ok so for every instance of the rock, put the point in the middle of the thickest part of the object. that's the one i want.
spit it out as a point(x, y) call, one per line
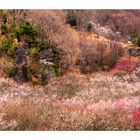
point(21, 54)
point(45, 62)
point(46, 76)
point(21, 74)
point(134, 51)
point(129, 42)
point(20, 64)
point(46, 54)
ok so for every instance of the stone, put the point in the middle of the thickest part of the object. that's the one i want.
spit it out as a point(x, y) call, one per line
point(46, 76)
point(45, 62)
point(46, 54)
point(21, 74)
point(129, 42)
point(21, 54)
point(134, 51)
point(20, 64)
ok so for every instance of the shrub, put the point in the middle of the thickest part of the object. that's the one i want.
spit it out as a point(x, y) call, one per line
point(11, 52)
point(10, 72)
point(135, 39)
point(42, 45)
point(36, 80)
point(86, 61)
point(136, 118)
point(132, 36)
point(28, 29)
point(2, 12)
point(4, 18)
point(138, 41)
point(4, 28)
point(7, 46)
point(4, 25)
point(92, 56)
point(116, 51)
point(62, 66)
point(5, 62)
point(15, 43)
point(125, 64)
point(71, 19)
point(90, 26)
point(25, 29)
point(98, 55)
point(34, 53)
point(4, 44)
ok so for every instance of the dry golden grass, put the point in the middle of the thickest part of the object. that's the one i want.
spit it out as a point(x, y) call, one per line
point(31, 117)
point(28, 116)
point(5, 62)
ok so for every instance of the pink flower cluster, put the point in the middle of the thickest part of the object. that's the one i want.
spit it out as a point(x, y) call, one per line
point(120, 104)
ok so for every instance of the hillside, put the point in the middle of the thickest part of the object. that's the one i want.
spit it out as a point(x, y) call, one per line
point(69, 70)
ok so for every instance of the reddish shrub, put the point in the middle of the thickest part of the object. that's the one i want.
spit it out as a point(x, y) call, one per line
point(136, 118)
point(136, 113)
point(126, 64)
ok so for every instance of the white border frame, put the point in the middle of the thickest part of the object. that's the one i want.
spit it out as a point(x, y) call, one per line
point(70, 4)
point(75, 135)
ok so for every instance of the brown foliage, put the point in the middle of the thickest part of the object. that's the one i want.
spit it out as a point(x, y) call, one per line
point(126, 22)
point(116, 51)
point(92, 56)
point(98, 55)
